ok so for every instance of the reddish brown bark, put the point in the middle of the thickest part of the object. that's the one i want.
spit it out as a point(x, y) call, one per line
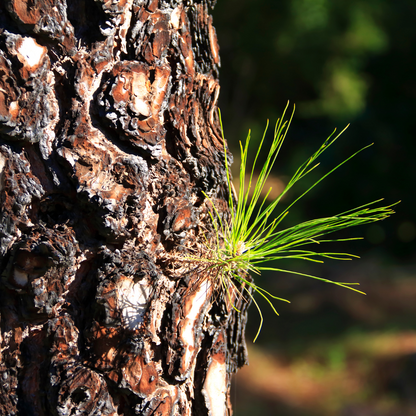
point(108, 136)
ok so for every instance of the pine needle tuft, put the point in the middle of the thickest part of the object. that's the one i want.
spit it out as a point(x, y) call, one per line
point(254, 236)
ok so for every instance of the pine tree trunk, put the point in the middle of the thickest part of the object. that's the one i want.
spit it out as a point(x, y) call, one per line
point(109, 135)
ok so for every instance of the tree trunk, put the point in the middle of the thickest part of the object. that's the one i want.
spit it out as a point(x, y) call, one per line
point(109, 136)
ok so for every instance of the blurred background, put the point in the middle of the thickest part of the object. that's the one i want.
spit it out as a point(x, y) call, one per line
point(331, 351)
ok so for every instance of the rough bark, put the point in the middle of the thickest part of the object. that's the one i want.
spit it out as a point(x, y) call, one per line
point(108, 136)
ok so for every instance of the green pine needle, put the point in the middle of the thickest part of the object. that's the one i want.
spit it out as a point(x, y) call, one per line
point(254, 235)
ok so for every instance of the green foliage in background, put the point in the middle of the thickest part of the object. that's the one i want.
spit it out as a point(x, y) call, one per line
point(320, 46)
point(342, 62)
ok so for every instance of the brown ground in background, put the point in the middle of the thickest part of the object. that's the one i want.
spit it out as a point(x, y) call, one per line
point(334, 352)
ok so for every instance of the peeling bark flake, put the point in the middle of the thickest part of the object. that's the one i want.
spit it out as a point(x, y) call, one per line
point(215, 389)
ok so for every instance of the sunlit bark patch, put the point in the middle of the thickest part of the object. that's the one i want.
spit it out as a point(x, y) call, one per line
point(132, 300)
point(20, 277)
point(30, 52)
point(2, 164)
point(195, 306)
point(216, 384)
point(132, 101)
point(215, 388)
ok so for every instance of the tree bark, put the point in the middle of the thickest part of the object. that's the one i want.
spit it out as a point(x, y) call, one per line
point(109, 136)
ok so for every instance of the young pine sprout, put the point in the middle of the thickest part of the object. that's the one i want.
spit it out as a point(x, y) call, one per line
point(254, 236)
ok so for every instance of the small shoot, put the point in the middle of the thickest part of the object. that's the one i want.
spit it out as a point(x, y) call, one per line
point(253, 236)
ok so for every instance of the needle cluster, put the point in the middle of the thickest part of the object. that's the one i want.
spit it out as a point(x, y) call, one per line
point(254, 236)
